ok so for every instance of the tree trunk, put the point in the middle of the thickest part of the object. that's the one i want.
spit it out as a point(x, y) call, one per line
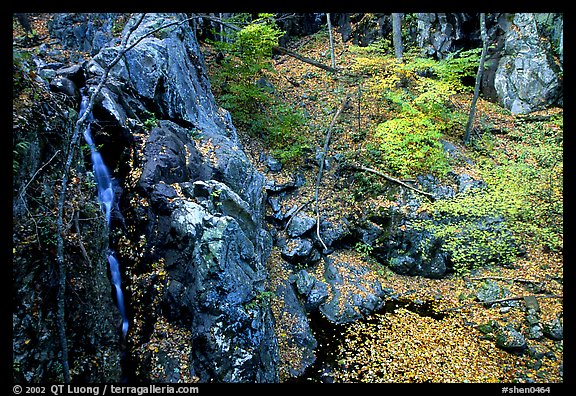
point(332, 58)
point(397, 35)
point(24, 22)
point(478, 78)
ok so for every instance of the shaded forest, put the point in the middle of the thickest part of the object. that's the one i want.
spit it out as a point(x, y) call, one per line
point(287, 198)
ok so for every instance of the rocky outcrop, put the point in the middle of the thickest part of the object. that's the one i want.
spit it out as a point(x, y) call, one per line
point(204, 215)
point(189, 229)
point(524, 74)
point(363, 29)
point(439, 34)
point(527, 77)
point(83, 32)
point(355, 292)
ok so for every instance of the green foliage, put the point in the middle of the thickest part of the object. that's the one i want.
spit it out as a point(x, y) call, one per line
point(150, 121)
point(255, 41)
point(411, 146)
point(452, 70)
point(363, 249)
point(254, 108)
point(524, 187)
point(286, 134)
point(246, 102)
point(261, 298)
point(529, 178)
point(21, 68)
point(471, 228)
point(380, 46)
point(415, 100)
point(19, 150)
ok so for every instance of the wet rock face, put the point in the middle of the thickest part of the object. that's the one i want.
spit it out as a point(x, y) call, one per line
point(171, 156)
point(204, 220)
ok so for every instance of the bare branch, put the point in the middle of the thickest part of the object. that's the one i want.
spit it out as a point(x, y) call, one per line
point(36, 173)
point(520, 280)
point(504, 300)
point(389, 178)
point(295, 213)
point(322, 156)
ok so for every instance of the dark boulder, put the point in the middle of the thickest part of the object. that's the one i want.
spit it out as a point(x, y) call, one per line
point(299, 225)
point(297, 250)
point(65, 86)
point(510, 339)
point(352, 296)
point(554, 329)
point(311, 289)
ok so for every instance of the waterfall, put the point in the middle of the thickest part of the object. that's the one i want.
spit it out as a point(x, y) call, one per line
point(106, 198)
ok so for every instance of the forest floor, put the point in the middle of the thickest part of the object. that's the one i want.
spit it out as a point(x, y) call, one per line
point(405, 346)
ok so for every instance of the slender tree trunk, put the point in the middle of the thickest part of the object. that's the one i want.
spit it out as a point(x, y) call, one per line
point(24, 22)
point(478, 78)
point(332, 57)
point(397, 35)
point(221, 28)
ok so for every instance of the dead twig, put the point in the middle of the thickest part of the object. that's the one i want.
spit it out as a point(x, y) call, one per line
point(295, 213)
point(389, 178)
point(80, 242)
point(520, 280)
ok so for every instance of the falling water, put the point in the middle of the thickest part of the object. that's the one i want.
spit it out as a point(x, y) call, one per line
point(106, 198)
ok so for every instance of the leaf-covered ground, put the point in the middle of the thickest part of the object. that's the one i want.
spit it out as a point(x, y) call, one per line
point(404, 346)
point(448, 344)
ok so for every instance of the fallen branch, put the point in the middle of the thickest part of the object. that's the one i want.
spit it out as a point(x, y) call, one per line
point(504, 300)
point(286, 51)
point(520, 280)
point(390, 178)
point(322, 155)
point(534, 118)
point(80, 242)
point(295, 213)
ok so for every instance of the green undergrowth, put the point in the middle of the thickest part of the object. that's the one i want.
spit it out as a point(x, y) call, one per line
point(241, 87)
point(521, 205)
point(522, 168)
point(414, 108)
